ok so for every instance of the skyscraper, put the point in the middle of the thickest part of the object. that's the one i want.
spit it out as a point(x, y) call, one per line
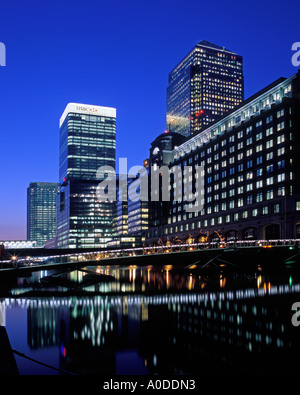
point(202, 87)
point(87, 142)
point(41, 212)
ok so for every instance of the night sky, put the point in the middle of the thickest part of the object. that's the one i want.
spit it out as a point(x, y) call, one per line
point(116, 54)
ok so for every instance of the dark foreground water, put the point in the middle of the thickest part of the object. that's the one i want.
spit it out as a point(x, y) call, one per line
point(154, 320)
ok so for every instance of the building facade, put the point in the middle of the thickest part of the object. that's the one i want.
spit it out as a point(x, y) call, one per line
point(206, 84)
point(87, 142)
point(251, 168)
point(41, 212)
point(121, 213)
point(131, 216)
point(137, 217)
point(160, 155)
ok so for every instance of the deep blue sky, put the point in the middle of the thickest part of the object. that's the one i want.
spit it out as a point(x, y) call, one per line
point(115, 53)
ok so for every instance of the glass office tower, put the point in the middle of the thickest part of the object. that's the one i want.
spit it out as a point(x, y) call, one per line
point(87, 142)
point(202, 87)
point(41, 212)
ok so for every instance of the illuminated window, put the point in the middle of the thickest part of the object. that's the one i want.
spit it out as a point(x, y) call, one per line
point(269, 119)
point(265, 210)
point(280, 113)
point(259, 197)
point(280, 126)
point(258, 136)
point(270, 194)
point(280, 139)
point(245, 214)
point(281, 164)
point(259, 148)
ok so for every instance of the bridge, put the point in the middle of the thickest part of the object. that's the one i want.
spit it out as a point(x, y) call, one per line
point(232, 254)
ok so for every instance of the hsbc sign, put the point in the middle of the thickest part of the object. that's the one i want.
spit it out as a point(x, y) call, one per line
point(87, 109)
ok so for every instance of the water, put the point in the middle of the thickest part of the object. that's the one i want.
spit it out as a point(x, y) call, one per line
point(154, 320)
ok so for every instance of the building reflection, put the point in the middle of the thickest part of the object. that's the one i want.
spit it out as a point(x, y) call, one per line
point(246, 330)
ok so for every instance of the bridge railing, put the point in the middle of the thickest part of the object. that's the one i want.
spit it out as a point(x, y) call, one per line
point(140, 251)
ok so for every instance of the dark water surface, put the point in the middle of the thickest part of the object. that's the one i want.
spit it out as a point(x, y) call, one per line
point(154, 320)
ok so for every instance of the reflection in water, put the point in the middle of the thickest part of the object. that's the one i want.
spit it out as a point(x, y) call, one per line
point(130, 279)
point(148, 320)
point(242, 330)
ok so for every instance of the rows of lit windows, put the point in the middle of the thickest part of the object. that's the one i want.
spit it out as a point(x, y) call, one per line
point(207, 55)
point(244, 114)
point(188, 93)
point(227, 187)
point(249, 141)
point(228, 323)
point(223, 219)
point(234, 169)
point(234, 200)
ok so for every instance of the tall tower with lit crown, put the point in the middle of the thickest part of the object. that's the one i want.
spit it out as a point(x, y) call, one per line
point(206, 84)
point(87, 142)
